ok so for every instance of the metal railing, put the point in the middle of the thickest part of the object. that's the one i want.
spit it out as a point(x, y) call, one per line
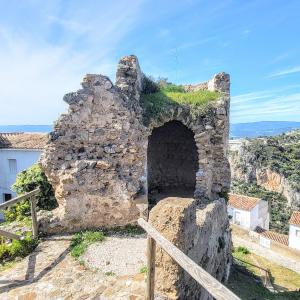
point(211, 284)
point(32, 196)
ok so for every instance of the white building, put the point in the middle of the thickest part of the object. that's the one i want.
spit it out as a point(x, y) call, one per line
point(248, 212)
point(18, 151)
point(294, 231)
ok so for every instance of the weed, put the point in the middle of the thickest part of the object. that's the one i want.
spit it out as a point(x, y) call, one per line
point(82, 240)
point(110, 273)
point(144, 270)
point(243, 250)
point(160, 102)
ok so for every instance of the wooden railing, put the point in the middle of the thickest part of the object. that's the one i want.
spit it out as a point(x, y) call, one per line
point(32, 196)
point(211, 284)
point(266, 278)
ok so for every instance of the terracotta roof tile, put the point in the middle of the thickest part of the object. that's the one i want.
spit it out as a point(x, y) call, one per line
point(242, 202)
point(295, 218)
point(275, 236)
point(23, 140)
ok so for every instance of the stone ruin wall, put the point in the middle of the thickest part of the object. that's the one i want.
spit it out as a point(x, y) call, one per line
point(96, 158)
point(202, 233)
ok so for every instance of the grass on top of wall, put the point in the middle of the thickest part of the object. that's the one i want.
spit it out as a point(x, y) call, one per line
point(158, 100)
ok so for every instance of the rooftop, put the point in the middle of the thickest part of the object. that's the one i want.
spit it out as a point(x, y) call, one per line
point(274, 236)
point(242, 202)
point(295, 218)
point(22, 140)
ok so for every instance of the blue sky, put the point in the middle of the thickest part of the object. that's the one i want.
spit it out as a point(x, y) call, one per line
point(46, 47)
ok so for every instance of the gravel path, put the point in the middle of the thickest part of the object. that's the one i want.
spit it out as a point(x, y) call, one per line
point(118, 255)
point(51, 273)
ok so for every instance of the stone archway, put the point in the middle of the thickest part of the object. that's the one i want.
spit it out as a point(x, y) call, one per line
point(172, 162)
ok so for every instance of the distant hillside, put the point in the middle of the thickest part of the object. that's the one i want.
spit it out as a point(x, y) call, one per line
point(264, 128)
point(272, 162)
point(25, 128)
point(269, 168)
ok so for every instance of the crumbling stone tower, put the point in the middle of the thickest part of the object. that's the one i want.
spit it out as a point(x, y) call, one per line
point(117, 150)
point(96, 158)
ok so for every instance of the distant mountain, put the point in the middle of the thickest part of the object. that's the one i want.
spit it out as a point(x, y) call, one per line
point(239, 130)
point(25, 128)
point(264, 128)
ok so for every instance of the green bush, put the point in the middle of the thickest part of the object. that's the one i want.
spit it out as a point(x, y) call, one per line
point(243, 250)
point(18, 248)
point(149, 85)
point(170, 87)
point(82, 240)
point(27, 181)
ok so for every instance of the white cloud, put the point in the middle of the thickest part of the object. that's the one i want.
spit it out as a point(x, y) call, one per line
point(292, 70)
point(246, 31)
point(37, 71)
point(279, 104)
point(280, 58)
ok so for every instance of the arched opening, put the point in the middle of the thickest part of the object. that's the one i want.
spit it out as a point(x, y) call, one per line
point(172, 162)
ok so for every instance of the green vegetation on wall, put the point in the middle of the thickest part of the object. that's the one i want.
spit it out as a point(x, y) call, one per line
point(160, 95)
point(27, 181)
point(280, 213)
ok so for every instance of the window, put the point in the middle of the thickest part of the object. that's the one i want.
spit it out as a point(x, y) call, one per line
point(7, 197)
point(298, 233)
point(12, 165)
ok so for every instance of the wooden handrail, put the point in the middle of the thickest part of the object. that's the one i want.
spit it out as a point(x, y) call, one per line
point(10, 235)
point(32, 198)
point(211, 284)
point(20, 198)
point(245, 262)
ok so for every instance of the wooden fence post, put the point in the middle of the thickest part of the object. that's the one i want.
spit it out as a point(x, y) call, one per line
point(211, 284)
point(33, 216)
point(150, 267)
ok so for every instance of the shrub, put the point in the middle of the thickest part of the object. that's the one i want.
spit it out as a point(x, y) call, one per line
point(27, 181)
point(149, 85)
point(243, 250)
point(18, 248)
point(82, 240)
point(173, 88)
point(144, 270)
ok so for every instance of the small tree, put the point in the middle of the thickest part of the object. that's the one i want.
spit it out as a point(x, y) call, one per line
point(27, 181)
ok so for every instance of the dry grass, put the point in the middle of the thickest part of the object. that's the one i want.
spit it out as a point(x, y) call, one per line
point(282, 278)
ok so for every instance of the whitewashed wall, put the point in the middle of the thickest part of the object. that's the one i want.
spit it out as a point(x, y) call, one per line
point(24, 158)
point(258, 216)
point(245, 217)
point(294, 241)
